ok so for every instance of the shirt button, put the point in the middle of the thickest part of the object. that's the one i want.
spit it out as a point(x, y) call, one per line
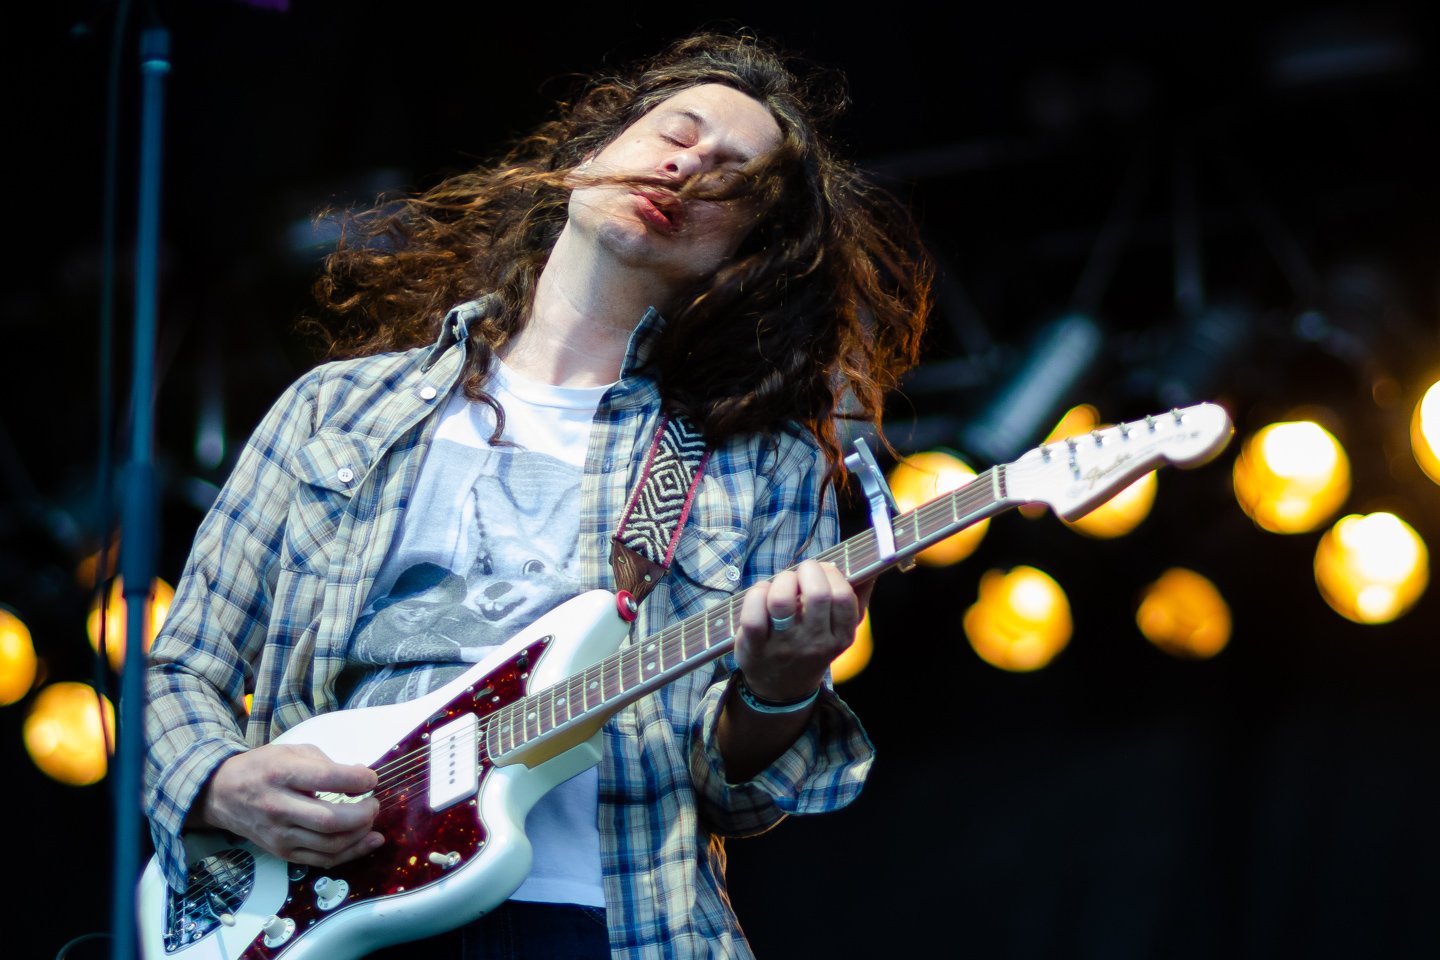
point(732, 573)
point(345, 475)
point(427, 392)
point(609, 465)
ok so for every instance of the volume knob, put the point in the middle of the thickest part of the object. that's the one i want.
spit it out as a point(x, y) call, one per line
point(330, 893)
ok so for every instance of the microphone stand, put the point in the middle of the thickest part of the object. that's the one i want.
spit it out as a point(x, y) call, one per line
point(138, 513)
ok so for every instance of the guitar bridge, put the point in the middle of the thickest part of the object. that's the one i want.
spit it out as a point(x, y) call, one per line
point(215, 890)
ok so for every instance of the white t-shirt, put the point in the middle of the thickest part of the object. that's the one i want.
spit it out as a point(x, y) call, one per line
point(487, 544)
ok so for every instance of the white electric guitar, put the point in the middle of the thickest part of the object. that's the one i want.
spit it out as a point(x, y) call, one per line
point(460, 768)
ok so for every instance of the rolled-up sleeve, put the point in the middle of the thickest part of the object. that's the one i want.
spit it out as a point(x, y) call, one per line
point(822, 770)
point(825, 768)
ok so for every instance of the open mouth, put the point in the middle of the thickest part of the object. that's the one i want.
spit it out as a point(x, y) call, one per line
point(662, 210)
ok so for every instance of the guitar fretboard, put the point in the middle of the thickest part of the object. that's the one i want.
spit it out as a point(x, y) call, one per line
point(644, 667)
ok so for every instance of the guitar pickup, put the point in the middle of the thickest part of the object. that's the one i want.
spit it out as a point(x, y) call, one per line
point(454, 764)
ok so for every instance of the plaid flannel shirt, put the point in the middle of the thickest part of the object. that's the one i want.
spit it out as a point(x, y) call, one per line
point(283, 565)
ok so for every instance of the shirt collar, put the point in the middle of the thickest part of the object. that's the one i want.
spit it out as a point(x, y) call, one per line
point(642, 342)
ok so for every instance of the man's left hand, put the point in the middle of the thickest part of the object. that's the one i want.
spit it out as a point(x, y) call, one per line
point(793, 626)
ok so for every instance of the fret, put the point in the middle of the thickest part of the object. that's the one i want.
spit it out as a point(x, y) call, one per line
point(574, 697)
point(594, 686)
point(914, 529)
point(531, 713)
point(560, 709)
point(684, 630)
point(866, 550)
point(644, 667)
point(507, 740)
point(517, 723)
point(625, 672)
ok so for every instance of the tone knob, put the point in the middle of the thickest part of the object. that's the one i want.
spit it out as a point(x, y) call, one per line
point(277, 930)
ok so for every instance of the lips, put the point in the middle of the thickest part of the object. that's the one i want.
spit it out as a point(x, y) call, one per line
point(661, 210)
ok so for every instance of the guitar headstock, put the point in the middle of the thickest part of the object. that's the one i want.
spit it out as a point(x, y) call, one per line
point(1077, 475)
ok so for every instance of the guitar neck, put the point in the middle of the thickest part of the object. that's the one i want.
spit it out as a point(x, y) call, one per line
point(645, 667)
point(859, 558)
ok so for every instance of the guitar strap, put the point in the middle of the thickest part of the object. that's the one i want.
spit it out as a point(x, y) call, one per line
point(644, 545)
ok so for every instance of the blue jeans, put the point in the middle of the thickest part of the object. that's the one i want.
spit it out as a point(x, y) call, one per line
point(516, 930)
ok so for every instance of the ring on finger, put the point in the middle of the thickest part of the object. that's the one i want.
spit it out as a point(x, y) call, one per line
point(781, 624)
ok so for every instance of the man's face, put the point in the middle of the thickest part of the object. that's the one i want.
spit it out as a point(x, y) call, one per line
point(696, 131)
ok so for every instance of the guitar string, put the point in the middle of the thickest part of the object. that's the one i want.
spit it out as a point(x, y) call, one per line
point(410, 768)
point(929, 519)
point(858, 553)
point(515, 719)
point(548, 709)
point(519, 717)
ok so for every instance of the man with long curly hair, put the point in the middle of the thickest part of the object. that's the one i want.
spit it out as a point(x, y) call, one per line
point(679, 246)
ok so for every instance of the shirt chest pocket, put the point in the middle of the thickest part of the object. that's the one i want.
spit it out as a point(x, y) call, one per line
point(710, 557)
point(328, 470)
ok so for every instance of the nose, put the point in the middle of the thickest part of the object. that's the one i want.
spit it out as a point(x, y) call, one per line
point(684, 164)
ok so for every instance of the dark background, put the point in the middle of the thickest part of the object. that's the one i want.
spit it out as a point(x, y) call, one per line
point(1268, 176)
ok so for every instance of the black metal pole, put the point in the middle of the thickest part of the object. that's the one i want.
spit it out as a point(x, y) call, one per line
point(137, 548)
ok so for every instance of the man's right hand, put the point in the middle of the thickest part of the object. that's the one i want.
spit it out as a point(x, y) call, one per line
point(267, 795)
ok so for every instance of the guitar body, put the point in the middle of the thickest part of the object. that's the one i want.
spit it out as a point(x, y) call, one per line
point(455, 846)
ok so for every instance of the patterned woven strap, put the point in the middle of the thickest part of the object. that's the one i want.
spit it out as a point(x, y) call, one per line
point(644, 545)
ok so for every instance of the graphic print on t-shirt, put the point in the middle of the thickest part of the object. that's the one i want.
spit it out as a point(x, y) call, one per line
point(487, 547)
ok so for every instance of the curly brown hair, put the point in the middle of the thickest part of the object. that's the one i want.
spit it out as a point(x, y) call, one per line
point(816, 316)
